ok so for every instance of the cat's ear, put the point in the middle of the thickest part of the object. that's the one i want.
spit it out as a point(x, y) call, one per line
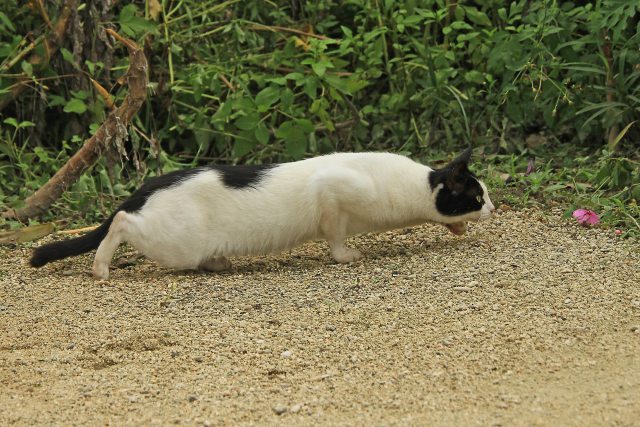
point(458, 172)
point(464, 158)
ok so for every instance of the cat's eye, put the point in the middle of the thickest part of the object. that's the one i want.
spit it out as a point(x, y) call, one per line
point(479, 198)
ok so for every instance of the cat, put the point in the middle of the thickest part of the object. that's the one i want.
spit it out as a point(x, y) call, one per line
point(197, 218)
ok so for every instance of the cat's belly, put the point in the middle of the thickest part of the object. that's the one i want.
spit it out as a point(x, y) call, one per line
point(187, 242)
point(356, 224)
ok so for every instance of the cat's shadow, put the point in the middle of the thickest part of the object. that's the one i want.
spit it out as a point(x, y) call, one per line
point(315, 256)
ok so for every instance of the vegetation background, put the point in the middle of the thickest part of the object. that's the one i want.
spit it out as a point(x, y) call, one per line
point(548, 92)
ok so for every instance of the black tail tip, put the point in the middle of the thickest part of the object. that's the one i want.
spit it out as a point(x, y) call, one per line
point(37, 260)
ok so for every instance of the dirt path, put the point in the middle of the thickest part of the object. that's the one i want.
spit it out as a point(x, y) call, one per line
point(525, 321)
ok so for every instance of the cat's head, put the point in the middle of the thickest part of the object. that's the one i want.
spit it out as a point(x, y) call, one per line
point(459, 195)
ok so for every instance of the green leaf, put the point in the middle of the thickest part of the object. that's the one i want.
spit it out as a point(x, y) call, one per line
point(27, 68)
point(311, 87)
point(80, 94)
point(278, 80)
point(474, 76)
point(243, 144)
point(68, 56)
point(75, 106)
point(295, 135)
point(477, 17)
point(266, 97)
point(26, 124)
point(321, 66)
point(202, 133)
point(132, 24)
point(347, 31)
point(262, 134)
point(554, 187)
point(7, 22)
point(11, 121)
point(220, 116)
point(248, 122)
point(613, 144)
point(55, 100)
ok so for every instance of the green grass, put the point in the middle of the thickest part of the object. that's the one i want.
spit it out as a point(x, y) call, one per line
point(567, 178)
point(562, 177)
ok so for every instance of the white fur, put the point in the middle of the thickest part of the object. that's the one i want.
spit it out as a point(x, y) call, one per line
point(199, 222)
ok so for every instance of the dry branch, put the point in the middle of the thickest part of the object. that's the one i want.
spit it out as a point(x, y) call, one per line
point(51, 46)
point(226, 82)
point(78, 230)
point(112, 131)
point(277, 29)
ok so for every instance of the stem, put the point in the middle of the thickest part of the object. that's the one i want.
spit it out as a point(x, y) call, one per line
point(167, 40)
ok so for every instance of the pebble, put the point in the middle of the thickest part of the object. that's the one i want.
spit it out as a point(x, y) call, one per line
point(68, 273)
point(192, 398)
point(286, 354)
point(198, 359)
point(330, 328)
point(635, 328)
point(296, 408)
point(279, 409)
point(70, 346)
point(568, 301)
point(462, 288)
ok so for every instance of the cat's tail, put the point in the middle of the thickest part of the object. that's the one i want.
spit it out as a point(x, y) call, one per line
point(70, 247)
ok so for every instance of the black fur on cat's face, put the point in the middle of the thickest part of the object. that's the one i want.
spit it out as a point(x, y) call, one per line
point(460, 191)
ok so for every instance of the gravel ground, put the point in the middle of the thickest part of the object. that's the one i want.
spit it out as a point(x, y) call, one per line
point(526, 320)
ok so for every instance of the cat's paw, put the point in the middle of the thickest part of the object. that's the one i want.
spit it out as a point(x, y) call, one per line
point(457, 228)
point(346, 255)
point(216, 264)
point(101, 271)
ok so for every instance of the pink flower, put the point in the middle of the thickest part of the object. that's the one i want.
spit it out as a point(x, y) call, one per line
point(618, 232)
point(586, 217)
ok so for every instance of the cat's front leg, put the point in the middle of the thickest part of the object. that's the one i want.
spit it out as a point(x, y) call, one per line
point(334, 228)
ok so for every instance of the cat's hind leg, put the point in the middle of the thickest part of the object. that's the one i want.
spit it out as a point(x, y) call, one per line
point(116, 235)
point(218, 263)
point(333, 225)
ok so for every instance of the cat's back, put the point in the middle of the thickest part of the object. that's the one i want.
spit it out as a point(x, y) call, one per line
point(366, 161)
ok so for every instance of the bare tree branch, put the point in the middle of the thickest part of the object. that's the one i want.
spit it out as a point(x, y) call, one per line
point(112, 131)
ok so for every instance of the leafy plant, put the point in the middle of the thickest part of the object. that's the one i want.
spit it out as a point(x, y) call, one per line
point(253, 82)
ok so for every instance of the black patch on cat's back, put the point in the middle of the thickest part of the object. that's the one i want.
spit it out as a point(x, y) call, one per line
point(236, 177)
point(242, 176)
point(452, 203)
point(152, 185)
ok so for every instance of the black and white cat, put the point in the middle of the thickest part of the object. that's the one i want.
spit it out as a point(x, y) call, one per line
point(198, 218)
